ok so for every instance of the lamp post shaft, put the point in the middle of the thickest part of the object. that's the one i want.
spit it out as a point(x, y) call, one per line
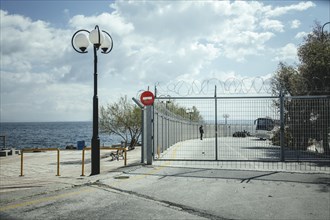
point(95, 139)
point(80, 42)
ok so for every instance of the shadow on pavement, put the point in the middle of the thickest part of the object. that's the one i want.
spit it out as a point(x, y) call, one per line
point(241, 175)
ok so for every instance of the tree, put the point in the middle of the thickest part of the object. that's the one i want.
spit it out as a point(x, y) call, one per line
point(314, 56)
point(174, 109)
point(310, 77)
point(123, 119)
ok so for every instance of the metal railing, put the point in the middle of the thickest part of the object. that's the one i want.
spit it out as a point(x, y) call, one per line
point(41, 150)
point(301, 133)
point(116, 147)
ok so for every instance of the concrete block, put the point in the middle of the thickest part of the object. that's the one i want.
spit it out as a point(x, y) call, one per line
point(9, 152)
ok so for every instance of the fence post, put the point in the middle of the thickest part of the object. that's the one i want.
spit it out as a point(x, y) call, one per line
point(22, 152)
point(149, 134)
point(282, 130)
point(142, 135)
point(216, 123)
point(156, 136)
point(58, 162)
point(142, 127)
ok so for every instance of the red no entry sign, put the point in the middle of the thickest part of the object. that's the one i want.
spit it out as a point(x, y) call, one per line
point(147, 98)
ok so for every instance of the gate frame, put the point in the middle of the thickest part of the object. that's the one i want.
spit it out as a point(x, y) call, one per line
point(149, 114)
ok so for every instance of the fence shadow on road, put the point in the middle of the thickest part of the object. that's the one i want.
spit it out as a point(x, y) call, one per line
point(292, 155)
point(240, 175)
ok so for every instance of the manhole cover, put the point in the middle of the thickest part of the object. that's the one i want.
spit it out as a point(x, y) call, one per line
point(121, 177)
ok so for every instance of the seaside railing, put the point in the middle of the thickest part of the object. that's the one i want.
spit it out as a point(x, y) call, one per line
point(113, 147)
point(121, 151)
point(39, 150)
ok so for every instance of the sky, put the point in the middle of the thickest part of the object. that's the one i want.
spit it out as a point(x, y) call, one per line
point(164, 43)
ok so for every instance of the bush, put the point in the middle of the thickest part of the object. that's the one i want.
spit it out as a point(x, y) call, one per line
point(287, 138)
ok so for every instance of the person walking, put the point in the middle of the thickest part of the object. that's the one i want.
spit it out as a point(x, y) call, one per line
point(201, 131)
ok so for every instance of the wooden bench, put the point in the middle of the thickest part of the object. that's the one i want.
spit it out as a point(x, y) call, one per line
point(120, 152)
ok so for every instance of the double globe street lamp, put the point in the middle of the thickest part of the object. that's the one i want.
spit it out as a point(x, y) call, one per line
point(80, 42)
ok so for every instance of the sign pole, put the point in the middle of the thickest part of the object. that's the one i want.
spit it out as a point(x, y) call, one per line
point(147, 98)
point(149, 135)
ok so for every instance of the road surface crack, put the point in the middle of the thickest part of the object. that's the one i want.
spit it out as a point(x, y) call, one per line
point(173, 205)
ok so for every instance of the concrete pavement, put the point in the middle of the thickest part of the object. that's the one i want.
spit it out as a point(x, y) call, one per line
point(156, 192)
point(234, 194)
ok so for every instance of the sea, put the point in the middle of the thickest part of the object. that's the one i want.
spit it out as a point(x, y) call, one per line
point(21, 135)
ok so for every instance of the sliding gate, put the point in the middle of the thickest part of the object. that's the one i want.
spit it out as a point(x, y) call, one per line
point(229, 125)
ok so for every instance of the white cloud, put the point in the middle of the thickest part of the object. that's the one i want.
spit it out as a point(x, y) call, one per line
point(26, 44)
point(274, 25)
point(47, 103)
point(154, 41)
point(288, 52)
point(114, 23)
point(279, 11)
point(300, 35)
point(295, 24)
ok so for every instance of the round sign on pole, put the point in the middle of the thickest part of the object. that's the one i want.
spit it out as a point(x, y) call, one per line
point(147, 98)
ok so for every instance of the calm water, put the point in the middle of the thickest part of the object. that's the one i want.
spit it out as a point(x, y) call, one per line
point(50, 134)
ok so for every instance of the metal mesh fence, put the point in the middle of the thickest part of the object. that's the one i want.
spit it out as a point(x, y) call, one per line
point(240, 141)
point(307, 128)
point(176, 123)
point(238, 129)
point(228, 124)
point(288, 166)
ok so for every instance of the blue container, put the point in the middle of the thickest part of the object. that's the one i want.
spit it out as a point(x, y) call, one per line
point(80, 145)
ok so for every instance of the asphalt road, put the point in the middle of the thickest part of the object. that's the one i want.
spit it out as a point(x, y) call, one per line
point(228, 148)
point(157, 192)
point(233, 148)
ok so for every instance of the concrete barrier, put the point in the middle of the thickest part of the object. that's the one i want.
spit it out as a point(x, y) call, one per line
point(9, 152)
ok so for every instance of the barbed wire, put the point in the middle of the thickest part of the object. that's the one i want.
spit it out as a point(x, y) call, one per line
point(257, 85)
point(235, 86)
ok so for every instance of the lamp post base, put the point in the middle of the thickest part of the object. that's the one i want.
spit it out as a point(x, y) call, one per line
point(95, 156)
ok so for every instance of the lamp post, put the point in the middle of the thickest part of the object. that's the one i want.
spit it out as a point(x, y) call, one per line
point(190, 111)
point(225, 117)
point(322, 32)
point(80, 42)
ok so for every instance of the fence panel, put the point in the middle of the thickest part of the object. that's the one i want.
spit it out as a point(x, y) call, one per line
point(178, 122)
point(241, 129)
point(237, 129)
point(307, 128)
